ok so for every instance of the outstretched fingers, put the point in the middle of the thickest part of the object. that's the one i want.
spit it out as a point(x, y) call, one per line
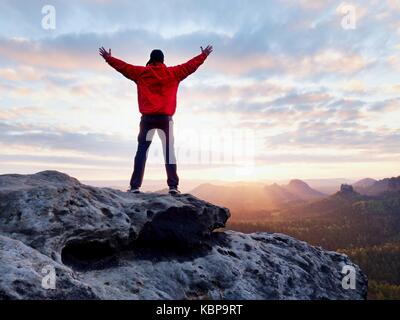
point(104, 53)
point(207, 50)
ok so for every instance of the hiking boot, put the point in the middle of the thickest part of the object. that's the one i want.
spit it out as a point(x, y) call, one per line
point(174, 190)
point(134, 190)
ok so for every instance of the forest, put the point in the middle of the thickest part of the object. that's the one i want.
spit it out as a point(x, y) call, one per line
point(367, 229)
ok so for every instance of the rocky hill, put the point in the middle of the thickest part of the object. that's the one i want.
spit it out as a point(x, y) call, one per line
point(378, 188)
point(363, 183)
point(303, 190)
point(108, 244)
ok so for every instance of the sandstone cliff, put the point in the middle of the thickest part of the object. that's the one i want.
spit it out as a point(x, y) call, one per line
point(108, 244)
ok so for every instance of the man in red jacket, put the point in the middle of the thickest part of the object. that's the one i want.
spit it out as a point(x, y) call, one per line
point(157, 86)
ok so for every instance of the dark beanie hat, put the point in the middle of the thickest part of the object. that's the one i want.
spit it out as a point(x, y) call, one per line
point(156, 56)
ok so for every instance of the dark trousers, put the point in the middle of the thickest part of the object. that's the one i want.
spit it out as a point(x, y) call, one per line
point(164, 126)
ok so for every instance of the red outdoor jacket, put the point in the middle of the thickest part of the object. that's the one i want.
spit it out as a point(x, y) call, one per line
point(157, 84)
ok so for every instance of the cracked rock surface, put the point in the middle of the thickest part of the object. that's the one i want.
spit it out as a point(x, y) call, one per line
point(108, 244)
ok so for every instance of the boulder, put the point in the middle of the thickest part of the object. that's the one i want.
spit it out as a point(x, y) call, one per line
point(108, 244)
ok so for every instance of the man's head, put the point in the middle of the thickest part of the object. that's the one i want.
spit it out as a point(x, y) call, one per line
point(156, 56)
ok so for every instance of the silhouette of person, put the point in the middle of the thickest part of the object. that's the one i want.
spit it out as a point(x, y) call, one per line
point(157, 87)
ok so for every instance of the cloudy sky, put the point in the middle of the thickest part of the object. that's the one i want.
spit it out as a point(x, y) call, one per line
point(303, 89)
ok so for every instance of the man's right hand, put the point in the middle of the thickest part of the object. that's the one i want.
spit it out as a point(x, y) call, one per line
point(104, 53)
point(207, 50)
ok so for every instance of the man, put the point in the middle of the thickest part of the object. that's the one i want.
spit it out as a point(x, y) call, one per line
point(157, 86)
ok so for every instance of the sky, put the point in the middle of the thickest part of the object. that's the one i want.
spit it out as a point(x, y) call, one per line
point(294, 89)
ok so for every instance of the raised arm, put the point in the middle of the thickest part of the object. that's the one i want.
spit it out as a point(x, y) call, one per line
point(184, 70)
point(129, 71)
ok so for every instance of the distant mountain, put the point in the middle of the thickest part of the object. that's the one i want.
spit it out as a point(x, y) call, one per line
point(346, 219)
point(297, 198)
point(364, 183)
point(244, 197)
point(334, 205)
point(383, 201)
point(361, 185)
point(303, 191)
point(327, 186)
point(380, 187)
point(248, 199)
point(278, 195)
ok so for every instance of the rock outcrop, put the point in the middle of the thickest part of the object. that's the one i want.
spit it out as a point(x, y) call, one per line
point(381, 187)
point(107, 244)
point(347, 189)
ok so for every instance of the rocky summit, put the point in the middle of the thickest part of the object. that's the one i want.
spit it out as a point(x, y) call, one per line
point(60, 239)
